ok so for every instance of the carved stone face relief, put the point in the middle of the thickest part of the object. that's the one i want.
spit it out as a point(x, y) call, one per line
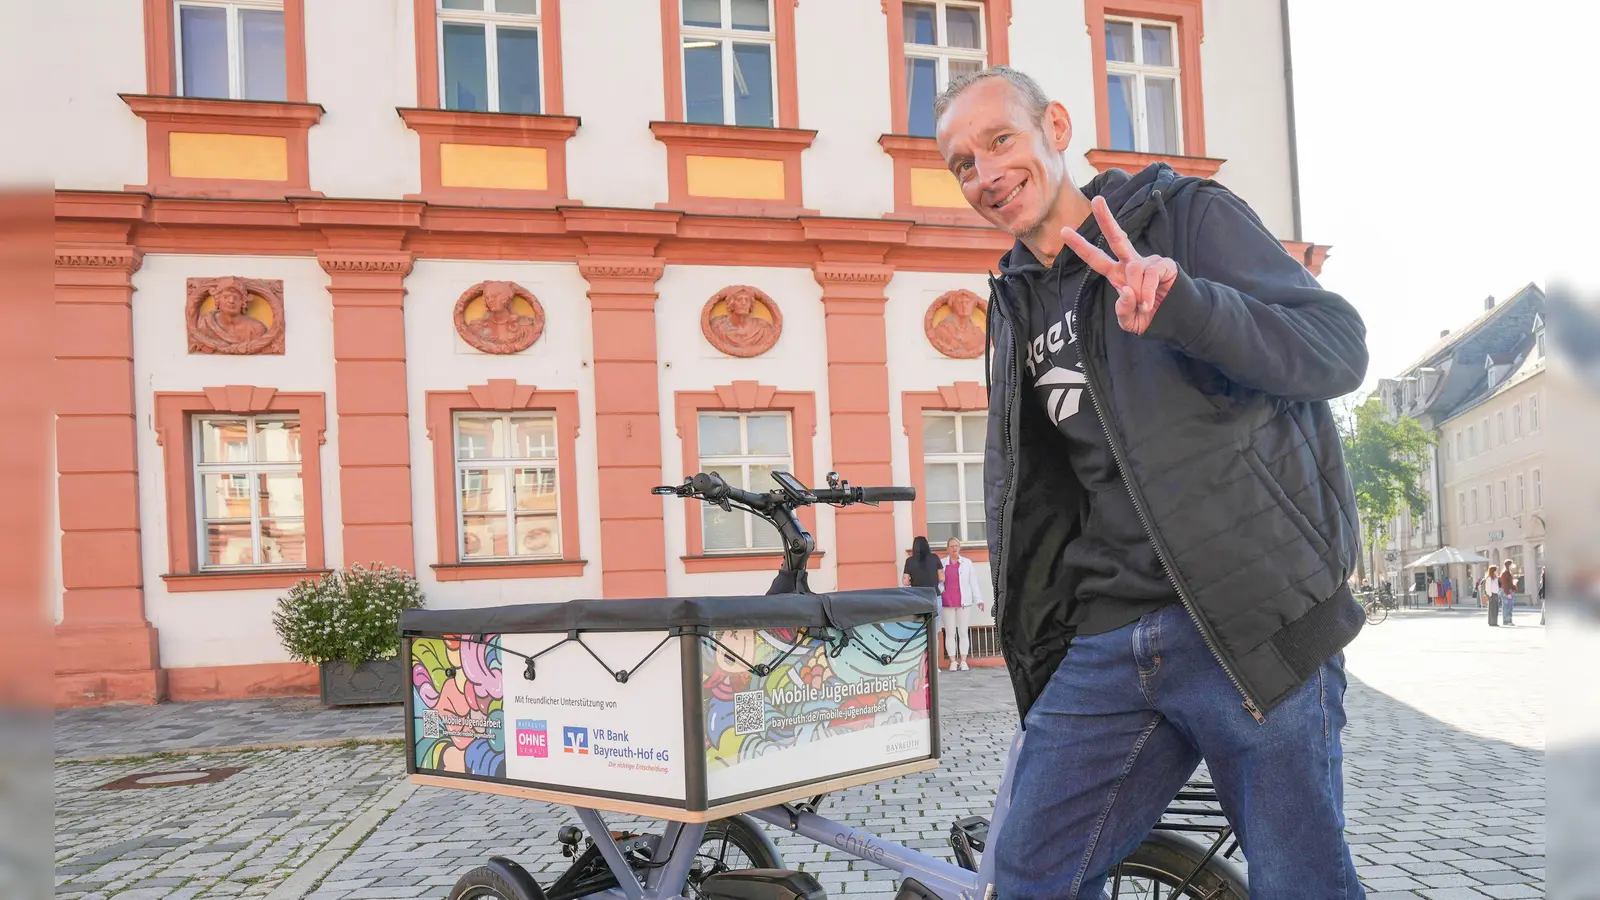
point(499, 317)
point(235, 316)
point(955, 324)
point(741, 321)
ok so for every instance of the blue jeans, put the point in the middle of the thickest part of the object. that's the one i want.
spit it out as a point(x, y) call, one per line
point(1121, 727)
point(1507, 604)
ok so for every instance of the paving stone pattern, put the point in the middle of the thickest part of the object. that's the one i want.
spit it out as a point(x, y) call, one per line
point(1443, 770)
point(119, 730)
point(236, 838)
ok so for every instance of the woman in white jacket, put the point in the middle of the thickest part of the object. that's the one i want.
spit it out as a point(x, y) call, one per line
point(962, 591)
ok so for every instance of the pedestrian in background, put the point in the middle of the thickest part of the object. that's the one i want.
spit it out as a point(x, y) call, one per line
point(1508, 592)
point(922, 569)
point(1489, 590)
point(961, 593)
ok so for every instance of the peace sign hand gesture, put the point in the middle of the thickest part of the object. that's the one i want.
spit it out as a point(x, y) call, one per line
point(1142, 282)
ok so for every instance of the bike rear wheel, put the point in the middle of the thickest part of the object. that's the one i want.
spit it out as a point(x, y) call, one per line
point(1164, 862)
point(1376, 613)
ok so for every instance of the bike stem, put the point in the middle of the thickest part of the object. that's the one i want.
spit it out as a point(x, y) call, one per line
point(797, 547)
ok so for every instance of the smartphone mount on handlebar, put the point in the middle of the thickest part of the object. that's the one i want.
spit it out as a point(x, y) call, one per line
point(778, 507)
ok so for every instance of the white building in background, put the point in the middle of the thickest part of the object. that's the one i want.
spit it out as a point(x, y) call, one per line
point(1481, 391)
point(450, 284)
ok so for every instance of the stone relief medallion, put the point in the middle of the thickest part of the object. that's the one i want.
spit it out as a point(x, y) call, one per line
point(955, 324)
point(235, 316)
point(741, 321)
point(499, 317)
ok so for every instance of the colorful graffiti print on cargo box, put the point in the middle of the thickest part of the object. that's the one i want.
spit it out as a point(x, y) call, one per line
point(458, 707)
point(810, 693)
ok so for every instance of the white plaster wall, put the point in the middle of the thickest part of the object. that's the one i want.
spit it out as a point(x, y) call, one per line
point(361, 63)
point(689, 363)
point(223, 627)
point(843, 76)
point(439, 360)
point(613, 82)
point(1050, 41)
point(1247, 120)
point(915, 366)
point(97, 52)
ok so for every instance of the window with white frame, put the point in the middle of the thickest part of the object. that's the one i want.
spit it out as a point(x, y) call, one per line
point(730, 60)
point(1475, 511)
point(1533, 412)
point(952, 455)
point(1461, 507)
point(249, 497)
point(489, 56)
point(1472, 440)
point(1484, 427)
point(1500, 425)
point(943, 40)
point(1516, 420)
point(1461, 445)
point(508, 501)
point(1143, 86)
point(1488, 502)
point(231, 50)
point(1538, 490)
point(1522, 492)
point(744, 449)
point(1505, 498)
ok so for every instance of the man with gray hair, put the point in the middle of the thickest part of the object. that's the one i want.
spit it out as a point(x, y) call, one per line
point(1176, 591)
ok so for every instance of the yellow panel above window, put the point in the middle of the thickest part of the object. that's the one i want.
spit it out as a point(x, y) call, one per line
point(250, 157)
point(486, 166)
point(735, 177)
point(936, 187)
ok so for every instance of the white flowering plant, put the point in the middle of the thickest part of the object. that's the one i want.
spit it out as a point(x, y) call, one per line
point(351, 615)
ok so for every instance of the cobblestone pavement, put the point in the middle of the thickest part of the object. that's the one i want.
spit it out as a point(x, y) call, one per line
point(88, 734)
point(240, 837)
point(1444, 784)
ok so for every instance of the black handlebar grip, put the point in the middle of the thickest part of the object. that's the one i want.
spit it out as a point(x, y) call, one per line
point(887, 494)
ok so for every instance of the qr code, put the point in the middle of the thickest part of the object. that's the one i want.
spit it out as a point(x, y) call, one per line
point(749, 712)
point(432, 724)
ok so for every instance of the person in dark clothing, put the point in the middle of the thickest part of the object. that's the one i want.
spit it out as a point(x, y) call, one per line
point(923, 567)
point(1172, 529)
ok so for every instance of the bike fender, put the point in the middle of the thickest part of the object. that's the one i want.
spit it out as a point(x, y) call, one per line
point(1178, 840)
point(754, 826)
point(517, 877)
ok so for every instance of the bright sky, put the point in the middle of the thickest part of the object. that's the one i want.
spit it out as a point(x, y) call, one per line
point(1428, 157)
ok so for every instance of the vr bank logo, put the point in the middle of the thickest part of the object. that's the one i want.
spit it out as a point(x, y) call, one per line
point(575, 740)
point(532, 738)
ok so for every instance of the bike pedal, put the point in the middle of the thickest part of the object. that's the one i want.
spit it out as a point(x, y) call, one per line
point(976, 828)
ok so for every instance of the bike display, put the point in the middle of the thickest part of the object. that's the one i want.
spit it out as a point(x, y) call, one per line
point(1188, 855)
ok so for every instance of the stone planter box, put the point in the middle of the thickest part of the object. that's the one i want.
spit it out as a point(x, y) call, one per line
point(373, 682)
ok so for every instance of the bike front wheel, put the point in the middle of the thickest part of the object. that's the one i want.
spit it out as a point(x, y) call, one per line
point(1376, 613)
point(1164, 862)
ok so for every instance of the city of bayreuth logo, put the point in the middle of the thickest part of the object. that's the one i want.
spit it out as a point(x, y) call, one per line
point(1066, 392)
point(575, 740)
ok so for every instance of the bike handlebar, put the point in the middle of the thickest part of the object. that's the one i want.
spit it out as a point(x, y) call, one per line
point(713, 489)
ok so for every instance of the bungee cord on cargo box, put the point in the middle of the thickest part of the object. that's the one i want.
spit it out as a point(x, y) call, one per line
point(760, 670)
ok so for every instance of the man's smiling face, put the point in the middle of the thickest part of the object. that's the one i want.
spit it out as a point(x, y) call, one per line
point(1009, 166)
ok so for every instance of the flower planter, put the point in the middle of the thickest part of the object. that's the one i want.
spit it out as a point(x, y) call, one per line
point(375, 681)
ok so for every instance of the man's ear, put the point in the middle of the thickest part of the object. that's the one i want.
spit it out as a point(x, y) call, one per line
point(1058, 125)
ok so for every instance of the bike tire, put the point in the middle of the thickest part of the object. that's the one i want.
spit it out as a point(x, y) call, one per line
point(1167, 859)
point(1376, 613)
point(484, 883)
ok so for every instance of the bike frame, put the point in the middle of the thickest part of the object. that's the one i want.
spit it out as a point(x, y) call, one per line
point(669, 877)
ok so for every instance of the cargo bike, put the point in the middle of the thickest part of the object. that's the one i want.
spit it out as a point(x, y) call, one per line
point(716, 714)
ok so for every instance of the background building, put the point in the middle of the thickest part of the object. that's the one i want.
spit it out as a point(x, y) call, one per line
point(450, 284)
point(1481, 390)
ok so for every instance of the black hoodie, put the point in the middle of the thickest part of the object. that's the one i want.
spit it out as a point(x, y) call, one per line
point(1122, 575)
